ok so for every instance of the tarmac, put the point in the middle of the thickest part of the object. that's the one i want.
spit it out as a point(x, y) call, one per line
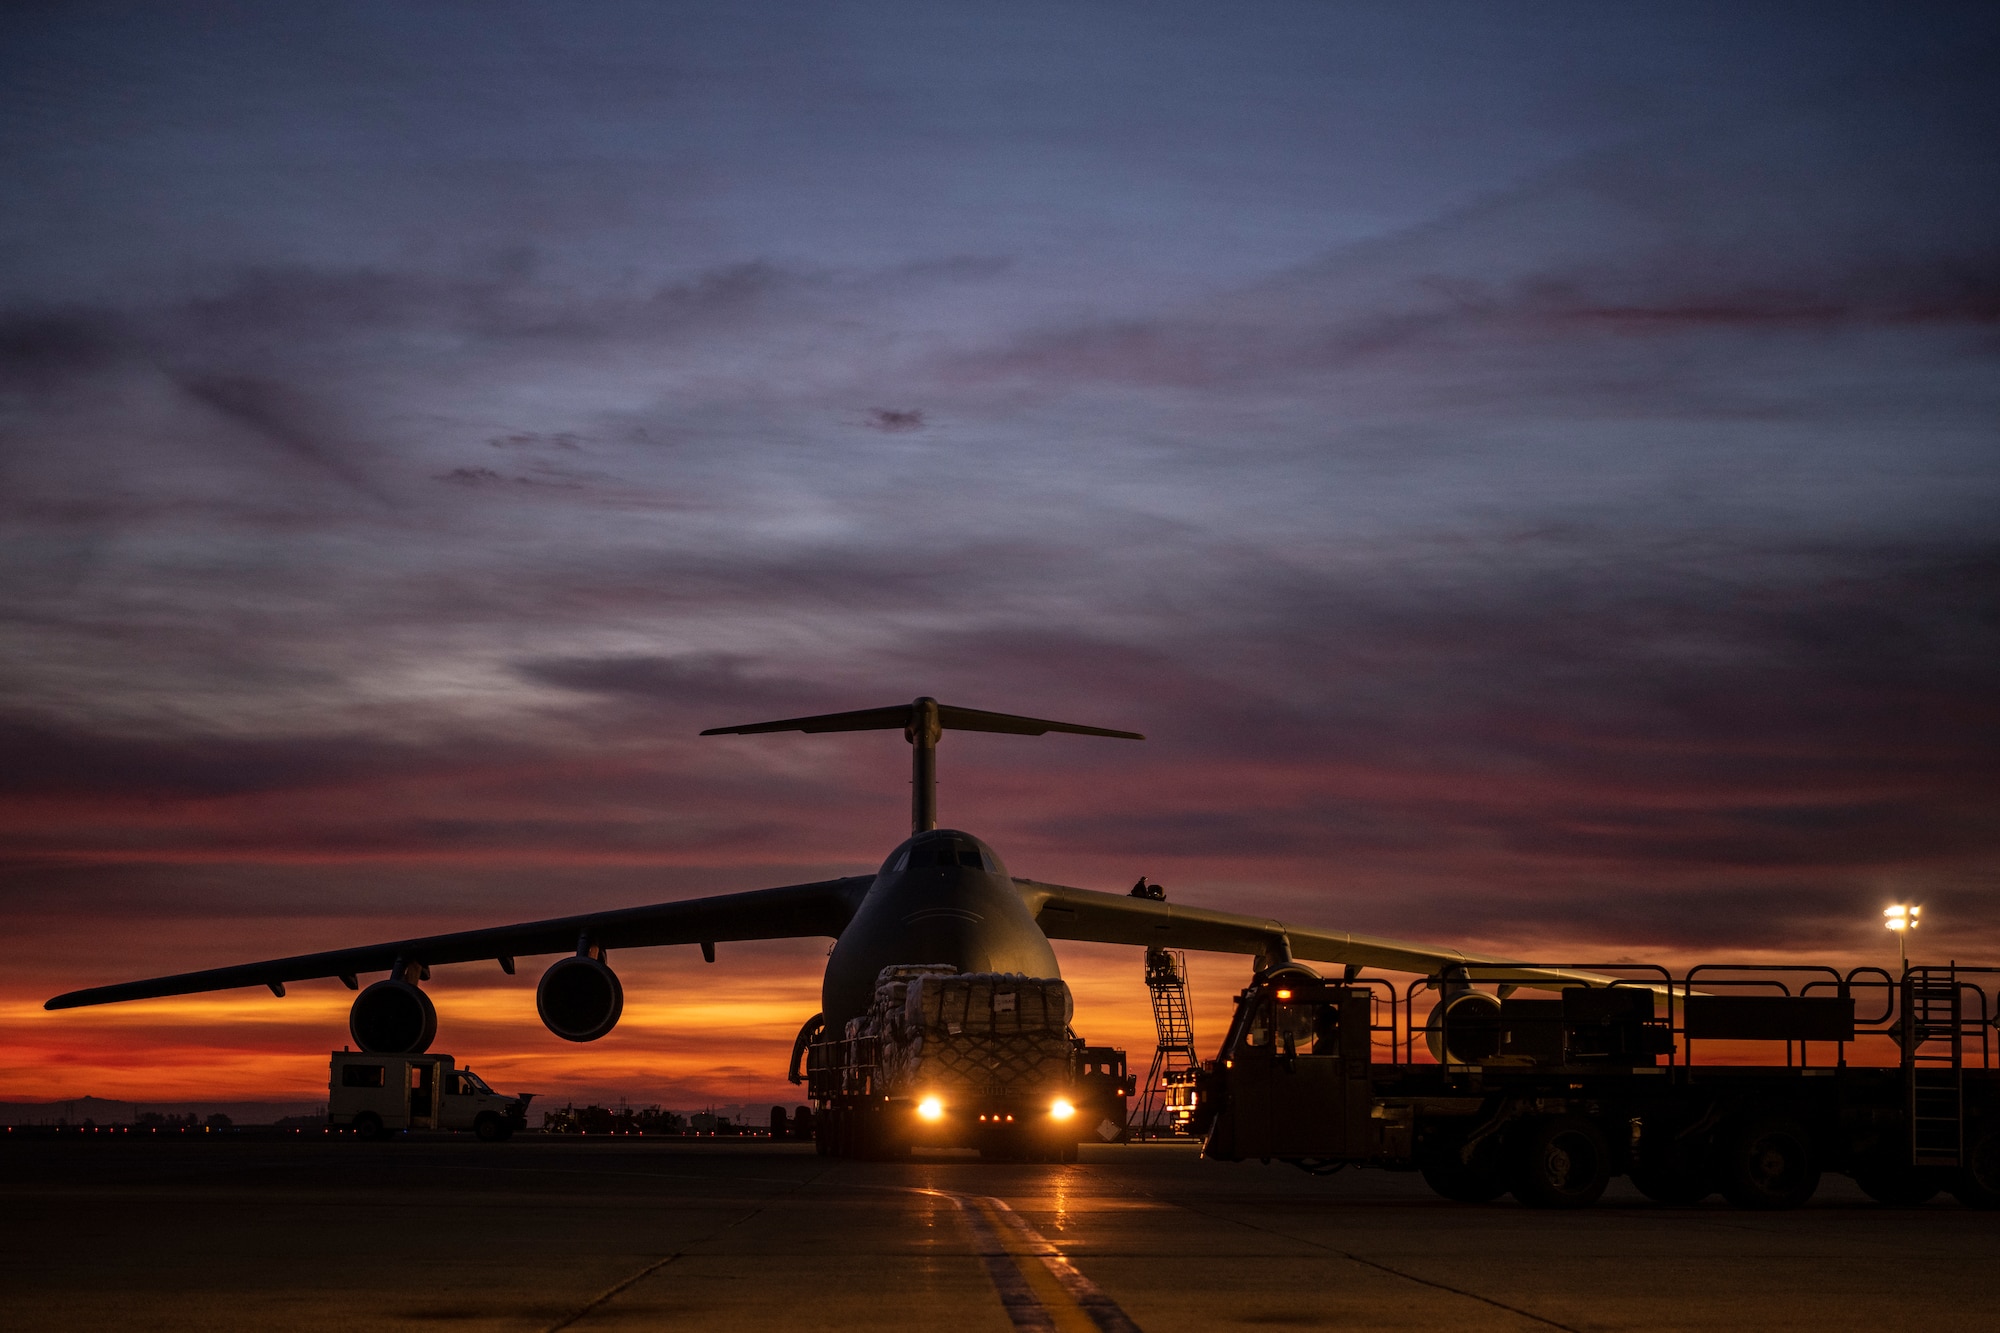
point(541, 1233)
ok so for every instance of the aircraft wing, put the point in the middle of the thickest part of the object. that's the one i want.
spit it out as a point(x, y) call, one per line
point(1113, 918)
point(823, 908)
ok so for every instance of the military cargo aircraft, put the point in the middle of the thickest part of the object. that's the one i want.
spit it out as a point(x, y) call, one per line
point(941, 897)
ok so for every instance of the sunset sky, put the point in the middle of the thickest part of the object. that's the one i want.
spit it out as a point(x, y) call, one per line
point(1532, 471)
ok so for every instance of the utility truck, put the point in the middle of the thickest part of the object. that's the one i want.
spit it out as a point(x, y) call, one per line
point(375, 1095)
point(946, 1059)
point(1672, 1080)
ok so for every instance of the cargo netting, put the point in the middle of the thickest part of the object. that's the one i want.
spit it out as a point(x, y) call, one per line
point(985, 1032)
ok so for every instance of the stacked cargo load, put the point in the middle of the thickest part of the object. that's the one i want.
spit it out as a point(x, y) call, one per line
point(980, 1033)
point(892, 984)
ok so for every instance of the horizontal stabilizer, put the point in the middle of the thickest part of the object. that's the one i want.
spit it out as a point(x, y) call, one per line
point(900, 716)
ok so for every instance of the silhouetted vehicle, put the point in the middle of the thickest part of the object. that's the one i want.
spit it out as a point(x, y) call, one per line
point(574, 1119)
point(379, 1094)
point(981, 1060)
point(1551, 1097)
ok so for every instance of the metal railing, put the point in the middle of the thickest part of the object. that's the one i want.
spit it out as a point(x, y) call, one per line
point(1394, 1026)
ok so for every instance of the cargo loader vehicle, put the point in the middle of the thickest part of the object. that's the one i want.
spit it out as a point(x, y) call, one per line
point(962, 1060)
point(374, 1095)
point(1647, 1075)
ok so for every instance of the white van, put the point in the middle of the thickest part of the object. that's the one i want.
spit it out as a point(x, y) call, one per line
point(376, 1094)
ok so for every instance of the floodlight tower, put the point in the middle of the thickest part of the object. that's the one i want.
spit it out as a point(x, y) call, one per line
point(1902, 918)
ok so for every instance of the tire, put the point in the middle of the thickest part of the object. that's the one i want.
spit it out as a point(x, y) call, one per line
point(1767, 1164)
point(1977, 1184)
point(886, 1146)
point(1461, 1182)
point(1897, 1184)
point(1561, 1162)
point(1676, 1182)
point(368, 1127)
point(489, 1129)
point(842, 1136)
point(871, 1138)
point(1069, 1152)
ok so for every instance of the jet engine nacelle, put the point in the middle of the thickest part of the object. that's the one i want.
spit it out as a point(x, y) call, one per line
point(393, 1017)
point(1463, 1028)
point(579, 998)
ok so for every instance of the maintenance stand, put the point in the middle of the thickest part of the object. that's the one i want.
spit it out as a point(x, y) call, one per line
point(1166, 1104)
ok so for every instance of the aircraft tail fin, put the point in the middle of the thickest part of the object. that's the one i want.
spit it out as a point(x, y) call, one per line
point(921, 721)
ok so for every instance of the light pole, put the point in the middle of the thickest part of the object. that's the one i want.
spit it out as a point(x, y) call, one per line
point(1902, 918)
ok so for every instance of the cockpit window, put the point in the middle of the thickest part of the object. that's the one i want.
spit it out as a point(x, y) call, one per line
point(925, 855)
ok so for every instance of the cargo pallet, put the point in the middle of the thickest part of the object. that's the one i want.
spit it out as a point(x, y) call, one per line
point(947, 1059)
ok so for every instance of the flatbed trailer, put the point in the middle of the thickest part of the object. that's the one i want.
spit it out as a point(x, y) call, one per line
point(1550, 1098)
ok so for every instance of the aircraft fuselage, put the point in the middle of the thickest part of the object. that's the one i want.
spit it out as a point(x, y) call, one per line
point(940, 897)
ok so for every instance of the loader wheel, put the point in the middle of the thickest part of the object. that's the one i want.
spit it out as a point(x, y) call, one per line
point(885, 1144)
point(1978, 1182)
point(1767, 1164)
point(1563, 1162)
point(489, 1129)
point(842, 1139)
point(872, 1138)
point(368, 1126)
point(1461, 1182)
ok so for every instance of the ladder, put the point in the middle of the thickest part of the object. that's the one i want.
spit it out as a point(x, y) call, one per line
point(1933, 1012)
point(1170, 1080)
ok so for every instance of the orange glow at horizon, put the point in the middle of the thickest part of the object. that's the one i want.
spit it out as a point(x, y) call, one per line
point(692, 1033)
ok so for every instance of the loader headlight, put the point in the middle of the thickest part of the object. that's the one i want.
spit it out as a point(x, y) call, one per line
point(1061, 1109)
point(930, 1108)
